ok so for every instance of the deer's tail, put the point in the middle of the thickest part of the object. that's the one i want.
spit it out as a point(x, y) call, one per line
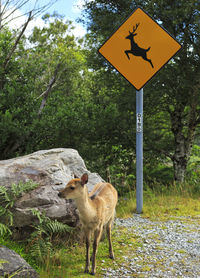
point(148, 48)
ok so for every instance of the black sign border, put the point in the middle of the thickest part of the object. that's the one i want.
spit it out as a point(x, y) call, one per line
point(162, 65)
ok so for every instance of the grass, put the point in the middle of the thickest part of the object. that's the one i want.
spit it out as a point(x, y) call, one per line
point(163, 204)
point(159, 204)
point(172, 202)
point(70, 261)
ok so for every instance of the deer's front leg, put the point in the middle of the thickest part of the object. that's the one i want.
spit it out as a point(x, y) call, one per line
point(126, 52)
point(97, 237)
point(87, 242)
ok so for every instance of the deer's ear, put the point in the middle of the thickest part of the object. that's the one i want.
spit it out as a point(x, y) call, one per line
point(84, 179)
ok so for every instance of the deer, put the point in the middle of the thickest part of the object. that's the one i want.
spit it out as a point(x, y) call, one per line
point(135, 49)
point(96, 211)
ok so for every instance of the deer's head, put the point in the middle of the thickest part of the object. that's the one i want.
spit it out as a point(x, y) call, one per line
point(132, 34)
point(75, 188)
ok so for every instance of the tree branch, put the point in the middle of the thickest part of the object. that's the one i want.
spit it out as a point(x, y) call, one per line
point(9, 9)
point(49, 87)
point(7, 60)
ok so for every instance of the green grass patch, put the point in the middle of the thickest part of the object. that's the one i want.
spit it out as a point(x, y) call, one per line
point(70, 261)
point(19, 248)
point(163, 204)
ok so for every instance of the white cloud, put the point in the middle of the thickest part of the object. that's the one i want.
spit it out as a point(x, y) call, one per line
point(17, 19)
point(79, 30)
point(78, 5)
point(36, 22)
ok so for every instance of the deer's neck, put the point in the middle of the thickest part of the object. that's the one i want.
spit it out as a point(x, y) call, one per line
point(133, 43)
point(85, 207)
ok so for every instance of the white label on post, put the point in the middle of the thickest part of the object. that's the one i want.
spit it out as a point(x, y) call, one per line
point(139, 121)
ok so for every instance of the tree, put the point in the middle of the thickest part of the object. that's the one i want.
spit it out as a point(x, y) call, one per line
point(176, 88)
point(8, 9)
point(40, 96)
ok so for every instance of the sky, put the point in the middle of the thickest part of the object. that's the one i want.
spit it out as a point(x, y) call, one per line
point(70, 9)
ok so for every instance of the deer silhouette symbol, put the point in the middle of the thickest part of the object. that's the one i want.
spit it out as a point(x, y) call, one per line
point(135, 49)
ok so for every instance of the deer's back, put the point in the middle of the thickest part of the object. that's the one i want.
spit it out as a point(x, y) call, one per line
point(105, 195)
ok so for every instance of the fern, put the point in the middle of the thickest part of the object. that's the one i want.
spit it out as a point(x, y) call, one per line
point(2, 211)
point(54, 227)
point(40, 249)
point(40, 243)
point(18, 189)
point(37, 213)
point(48, 226)
point(3, 190)
point(4, 230)
point(8, 197)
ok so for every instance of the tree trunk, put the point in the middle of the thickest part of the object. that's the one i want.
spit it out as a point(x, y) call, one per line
point(179, 163)
point(183, 141)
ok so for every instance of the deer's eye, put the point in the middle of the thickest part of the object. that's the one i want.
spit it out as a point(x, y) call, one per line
point(72, 187)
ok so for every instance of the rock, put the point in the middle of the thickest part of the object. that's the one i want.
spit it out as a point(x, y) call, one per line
point(51, 169)
point(12, 264)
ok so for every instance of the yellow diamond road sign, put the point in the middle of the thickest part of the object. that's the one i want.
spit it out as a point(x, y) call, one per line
point(139, 48)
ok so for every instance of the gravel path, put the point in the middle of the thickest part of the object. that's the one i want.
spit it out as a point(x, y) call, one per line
point(164, 248)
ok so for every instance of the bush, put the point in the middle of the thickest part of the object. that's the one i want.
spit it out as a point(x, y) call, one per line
point(8, 197)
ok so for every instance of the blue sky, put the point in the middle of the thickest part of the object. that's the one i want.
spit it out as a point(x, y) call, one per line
point(68, 8)
point(71, 9)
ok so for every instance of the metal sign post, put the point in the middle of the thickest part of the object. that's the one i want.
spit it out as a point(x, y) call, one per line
point(139, 151)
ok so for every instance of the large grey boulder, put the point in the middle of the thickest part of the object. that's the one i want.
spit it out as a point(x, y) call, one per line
point(12, 265)
point(51, 169)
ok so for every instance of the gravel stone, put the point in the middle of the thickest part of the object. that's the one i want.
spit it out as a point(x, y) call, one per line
point(169, 248)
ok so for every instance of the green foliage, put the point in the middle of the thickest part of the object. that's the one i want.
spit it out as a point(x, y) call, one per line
point(4, 229)
point(193, 171)
point(172, 100)
point(121, 164)
point(40, 244)
point(18, 247)
point(158, 174)
point(90, 107)
point(41, 241)
point(23, 85)
point(8, 197)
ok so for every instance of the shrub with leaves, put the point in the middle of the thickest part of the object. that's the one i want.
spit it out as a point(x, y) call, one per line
point(41, 241)
point(8, 197)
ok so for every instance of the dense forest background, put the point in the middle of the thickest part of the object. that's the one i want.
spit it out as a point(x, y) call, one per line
point(56, 91)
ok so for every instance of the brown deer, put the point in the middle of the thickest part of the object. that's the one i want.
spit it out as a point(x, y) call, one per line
point(96, 210)
point(135, 49)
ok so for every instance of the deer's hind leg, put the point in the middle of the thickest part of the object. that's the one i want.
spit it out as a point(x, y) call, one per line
point(108, 230)
point(148, 60)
